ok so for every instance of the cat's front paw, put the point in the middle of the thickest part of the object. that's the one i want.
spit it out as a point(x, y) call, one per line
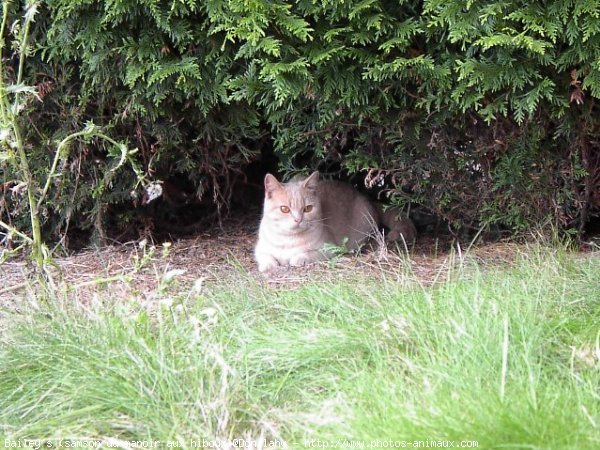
point(302, 259)
point(266, 263)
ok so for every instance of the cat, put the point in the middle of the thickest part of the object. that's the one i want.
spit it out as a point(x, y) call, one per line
point(302, 216)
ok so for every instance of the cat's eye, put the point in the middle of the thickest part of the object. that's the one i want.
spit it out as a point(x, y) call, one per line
point(284, 209)
point(308, 208)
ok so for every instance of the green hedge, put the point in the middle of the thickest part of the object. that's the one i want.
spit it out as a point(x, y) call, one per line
point(482, 112)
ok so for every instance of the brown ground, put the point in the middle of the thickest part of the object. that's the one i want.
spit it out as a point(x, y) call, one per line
point(132, 269)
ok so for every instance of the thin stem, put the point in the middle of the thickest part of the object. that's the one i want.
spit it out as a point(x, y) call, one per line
point(23, 51)
point(36, 228)
point(3, 102)
point(13, 230)
point(57, 156)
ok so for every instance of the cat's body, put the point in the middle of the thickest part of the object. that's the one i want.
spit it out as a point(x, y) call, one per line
point(301, 216)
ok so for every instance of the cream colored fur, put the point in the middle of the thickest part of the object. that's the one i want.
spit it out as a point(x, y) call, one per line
point(301, 216)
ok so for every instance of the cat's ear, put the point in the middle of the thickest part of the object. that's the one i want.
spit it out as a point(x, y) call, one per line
point(271, 185)
point(312, 181)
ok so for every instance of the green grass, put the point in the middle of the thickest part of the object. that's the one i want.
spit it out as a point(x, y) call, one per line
point(507, 358)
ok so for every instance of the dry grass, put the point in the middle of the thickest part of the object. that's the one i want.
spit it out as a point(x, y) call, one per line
point(222, 254)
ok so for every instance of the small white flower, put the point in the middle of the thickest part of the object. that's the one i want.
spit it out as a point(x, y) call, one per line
point(142, 244)
point(153, 191)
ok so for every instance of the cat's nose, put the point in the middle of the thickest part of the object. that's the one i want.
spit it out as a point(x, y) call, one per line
point(297, 219)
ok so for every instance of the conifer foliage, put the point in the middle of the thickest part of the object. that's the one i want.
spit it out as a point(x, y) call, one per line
point(482, 112)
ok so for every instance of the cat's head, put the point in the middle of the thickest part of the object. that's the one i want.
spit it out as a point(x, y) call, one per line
point(292, 206)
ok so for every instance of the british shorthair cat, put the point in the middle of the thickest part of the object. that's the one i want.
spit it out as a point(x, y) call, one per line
point(301, 216)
